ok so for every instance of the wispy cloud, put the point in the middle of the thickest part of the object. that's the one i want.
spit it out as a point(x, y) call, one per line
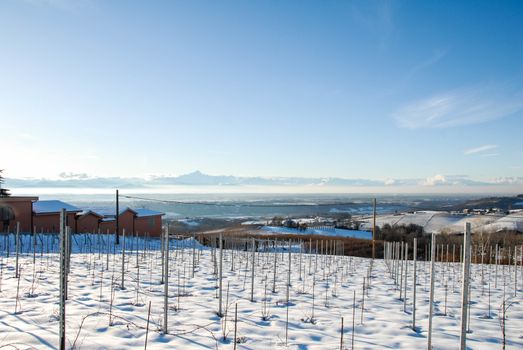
point(460, 107)
point(415, 69)
point(479, 149)
point(436, 56)
point(377, 17)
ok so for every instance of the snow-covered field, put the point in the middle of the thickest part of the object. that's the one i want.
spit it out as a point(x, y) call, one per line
point(325, 231)
point(380, 321)
point(438, 221)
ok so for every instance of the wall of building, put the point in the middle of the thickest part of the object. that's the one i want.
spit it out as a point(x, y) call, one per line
point(107, 226)
point(50, 223)
point(22, 208)
point(126, 222)
point(87, 223)
point(149, 224)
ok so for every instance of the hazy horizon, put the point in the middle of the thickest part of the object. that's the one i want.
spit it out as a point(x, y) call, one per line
point(197, 182)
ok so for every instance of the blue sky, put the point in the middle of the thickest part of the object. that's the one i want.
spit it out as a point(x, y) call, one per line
point(352, 89)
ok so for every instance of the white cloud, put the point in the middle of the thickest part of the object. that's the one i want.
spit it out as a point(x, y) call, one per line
point(71, 175)
point(460, 107)
point(507, 181)
point(435, 180)
point(390, 182)
point(479, 149)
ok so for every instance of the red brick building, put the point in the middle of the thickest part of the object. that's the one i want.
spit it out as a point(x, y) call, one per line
point(108, 225)
point(134, 221)
point(44, 216)
point(88, 221)
point(16, 209)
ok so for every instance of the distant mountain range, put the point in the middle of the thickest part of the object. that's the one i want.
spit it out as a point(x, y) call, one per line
point(197, 178)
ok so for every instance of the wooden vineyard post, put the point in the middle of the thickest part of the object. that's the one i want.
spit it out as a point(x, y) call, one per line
point(341, 335)
point(521, 265)
point(274, 271)
point(123, 259)
point(414, 283)
point(34, 245)
point(235, 325)
point(287, 324)
point(289, 274)
point(401, 261)
point(431, 296)
point(108, 248)
point(68, 248)
point(220, 313)
point(17, 245)
point(137, 240)
point(147, 329)
point(162, 254)
point(374, 230)
point(252, 269)
point(194, 256)
point(117, 221)
point(63, 278)
point(406, 256)
point(465, 286)
point(166, 279)
point(496, 259)
point(515, 271)
point(300, 256)
point(362, 300)
point(353, 318)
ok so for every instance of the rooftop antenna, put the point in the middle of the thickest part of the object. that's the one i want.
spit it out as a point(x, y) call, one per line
point(374, 230)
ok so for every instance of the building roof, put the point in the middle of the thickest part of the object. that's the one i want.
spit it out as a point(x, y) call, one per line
point(141, 212)
point(128, 209)
point(90, 212)
point(108, 213)
point(53, 206)
point(18, 199)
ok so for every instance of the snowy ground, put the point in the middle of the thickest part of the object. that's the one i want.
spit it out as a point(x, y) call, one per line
point(193, 303)
point(326, 231)
point(438, 221)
